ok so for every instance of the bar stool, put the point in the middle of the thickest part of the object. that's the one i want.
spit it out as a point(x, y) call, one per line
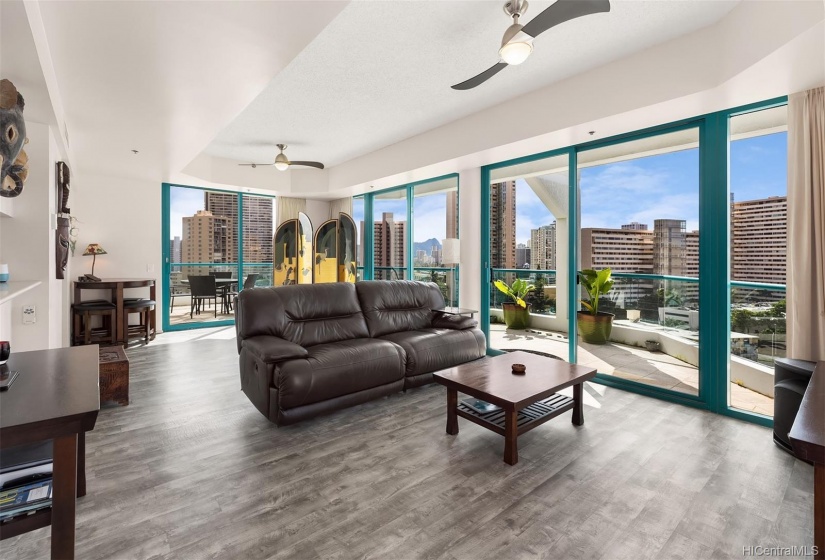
point(142, 307)
point(82, 313)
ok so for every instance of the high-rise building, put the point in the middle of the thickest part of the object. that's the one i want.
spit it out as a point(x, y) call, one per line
point(621, 250)
point(503, 225)
point(207, 239)
point(543, 247)
point(174, 252)
point(257, 222)
point(692, 254)
point(522, 256)
point(435, 255)
point(760, 240)
point(669, 247)
point(390, 242)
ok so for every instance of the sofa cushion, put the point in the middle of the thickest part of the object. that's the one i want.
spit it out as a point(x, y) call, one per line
point(392, 306)
point(306, 315)
point(432, 349)
point(336, 369)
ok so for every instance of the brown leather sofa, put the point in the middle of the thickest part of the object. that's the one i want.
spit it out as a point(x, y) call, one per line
point(310, 349)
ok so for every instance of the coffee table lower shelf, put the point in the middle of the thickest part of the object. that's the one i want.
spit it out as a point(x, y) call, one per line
point(528, 417)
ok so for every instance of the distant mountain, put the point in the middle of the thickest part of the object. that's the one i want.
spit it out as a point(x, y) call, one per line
point(426, 246)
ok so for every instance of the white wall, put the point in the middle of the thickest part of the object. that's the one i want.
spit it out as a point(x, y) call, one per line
point(469, 225)
point(124, 217)
point(27, 244)
point(318, 212)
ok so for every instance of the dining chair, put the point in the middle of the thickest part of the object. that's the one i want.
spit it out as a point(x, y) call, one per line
point(203, 289)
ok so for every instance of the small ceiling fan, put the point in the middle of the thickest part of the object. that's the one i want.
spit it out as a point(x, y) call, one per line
point(517, 43)
point(282, 162)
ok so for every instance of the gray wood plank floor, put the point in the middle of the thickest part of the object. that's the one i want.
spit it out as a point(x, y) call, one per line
point(191, 470)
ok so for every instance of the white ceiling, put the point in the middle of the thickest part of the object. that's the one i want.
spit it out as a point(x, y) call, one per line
point(165, 77)
point(381, 71)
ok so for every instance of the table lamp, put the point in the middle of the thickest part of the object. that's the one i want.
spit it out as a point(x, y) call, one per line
point(94, 250)
point(451, 254)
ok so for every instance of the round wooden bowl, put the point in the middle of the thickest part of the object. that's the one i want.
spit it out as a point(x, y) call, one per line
point(519, 369)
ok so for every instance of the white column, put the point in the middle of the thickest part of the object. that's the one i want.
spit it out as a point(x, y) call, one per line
point(469, 232)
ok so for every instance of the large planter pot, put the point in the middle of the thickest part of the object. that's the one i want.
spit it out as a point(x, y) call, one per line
point(516, 316)
point(595, 329)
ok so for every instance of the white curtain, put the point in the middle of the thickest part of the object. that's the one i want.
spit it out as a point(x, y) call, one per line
point(288, 208)
point(341, 205)
point(806, 225)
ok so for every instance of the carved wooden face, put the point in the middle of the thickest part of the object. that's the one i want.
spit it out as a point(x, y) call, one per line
point(13, 168)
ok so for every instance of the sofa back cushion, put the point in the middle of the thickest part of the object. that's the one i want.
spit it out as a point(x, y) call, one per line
point(304, 314)
point(392, 306)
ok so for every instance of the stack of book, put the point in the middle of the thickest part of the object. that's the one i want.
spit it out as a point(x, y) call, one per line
point(25, 480)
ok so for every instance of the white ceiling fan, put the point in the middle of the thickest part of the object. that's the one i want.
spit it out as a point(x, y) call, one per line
point(282, 162)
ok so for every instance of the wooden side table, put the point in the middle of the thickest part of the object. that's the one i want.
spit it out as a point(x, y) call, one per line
point(114, 375)
point(54, 397)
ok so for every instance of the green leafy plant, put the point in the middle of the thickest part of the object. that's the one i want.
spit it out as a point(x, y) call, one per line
point(517, 290)
point(596, 283)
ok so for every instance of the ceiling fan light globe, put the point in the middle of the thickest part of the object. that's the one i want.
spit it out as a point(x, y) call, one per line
point(281, 162)
point(516, 52)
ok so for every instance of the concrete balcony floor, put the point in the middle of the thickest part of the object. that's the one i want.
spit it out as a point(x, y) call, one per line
point(629, 362)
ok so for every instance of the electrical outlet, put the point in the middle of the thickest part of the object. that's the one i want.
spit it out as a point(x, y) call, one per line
point(150, 268)
point(29, 315)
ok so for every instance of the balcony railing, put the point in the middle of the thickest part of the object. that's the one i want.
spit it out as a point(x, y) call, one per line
point(671, 303)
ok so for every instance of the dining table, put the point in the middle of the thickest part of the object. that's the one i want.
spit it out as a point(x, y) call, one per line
point(117, 287)
point(223, 285)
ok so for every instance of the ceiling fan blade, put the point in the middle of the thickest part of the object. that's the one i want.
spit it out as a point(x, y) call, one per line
point(315, 164)
point(255, 164)
point(481, 78)
point(562, 11)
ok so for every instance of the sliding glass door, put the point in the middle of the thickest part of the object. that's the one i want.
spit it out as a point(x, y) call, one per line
point(526, 206)
point(213, 242)
point(639, 204)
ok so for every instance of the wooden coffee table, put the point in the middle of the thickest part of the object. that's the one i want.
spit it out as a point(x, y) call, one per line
point(526, 401)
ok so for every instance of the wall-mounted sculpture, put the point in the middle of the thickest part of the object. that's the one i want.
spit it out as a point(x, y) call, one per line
point(14, 163)
point(292, 252)
point(335, 243)
point(62, 173)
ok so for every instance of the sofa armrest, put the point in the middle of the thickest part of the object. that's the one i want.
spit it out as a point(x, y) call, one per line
point(272, 349)
point(455, 322)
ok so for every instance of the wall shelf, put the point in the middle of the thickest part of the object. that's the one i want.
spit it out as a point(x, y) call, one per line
point(10, 290)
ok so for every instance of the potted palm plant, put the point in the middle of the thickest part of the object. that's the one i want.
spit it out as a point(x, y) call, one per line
point(595, 325)
point(517, 312)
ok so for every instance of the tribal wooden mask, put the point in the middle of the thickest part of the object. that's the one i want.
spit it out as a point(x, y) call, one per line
point(13, 159)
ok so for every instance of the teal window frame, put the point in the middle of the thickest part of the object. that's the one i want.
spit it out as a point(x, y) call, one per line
point(714, 254)
point(369, 232)
point(166, 230)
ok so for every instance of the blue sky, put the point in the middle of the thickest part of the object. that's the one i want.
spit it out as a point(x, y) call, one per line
point(662, 186)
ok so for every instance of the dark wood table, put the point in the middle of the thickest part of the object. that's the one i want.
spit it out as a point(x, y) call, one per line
point(456, 311)
point(117, 285)
point(55, 397)
point(526, 401)
point(808, 439)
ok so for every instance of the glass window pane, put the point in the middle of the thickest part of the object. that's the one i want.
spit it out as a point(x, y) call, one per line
point(529, 241)
point(640, 218)
point(758, 218)
point(203, 242)
point(390, 235)
point(258, 232)
point(435, 235)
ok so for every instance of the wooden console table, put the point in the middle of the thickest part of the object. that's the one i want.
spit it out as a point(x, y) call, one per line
point(117, 285)
point(808, 439)
point(55, 397)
